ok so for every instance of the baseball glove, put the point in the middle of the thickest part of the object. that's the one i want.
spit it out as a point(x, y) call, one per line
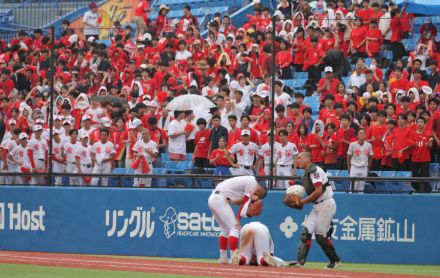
point(255, 208)
point(293, 201)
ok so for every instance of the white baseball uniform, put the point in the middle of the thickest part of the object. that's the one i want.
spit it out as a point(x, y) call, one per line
point(255, 239)
point(39, 149)
point(141, 148)
point(19, 154)
point(84, 154)
point(324, 208)
point(231, 191)
point(69, 151)
point(96, 114)
point(264, 153)
point(246, 155)
point(102, 151)
point(286, 156)
point(58, 167)
point(359, 162)
point(9, 145)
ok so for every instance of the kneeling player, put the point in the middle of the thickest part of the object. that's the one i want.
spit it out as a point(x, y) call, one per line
point(256, 247)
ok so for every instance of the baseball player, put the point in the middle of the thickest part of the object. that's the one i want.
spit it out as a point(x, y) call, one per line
point(7, 146)
point(102, 155)
point(86, 125)
point(319, 221)
point(246, 153)
point(148, 151)
point(286, 159)
point(359, 156)
point(59, 162)
point(256, 247)
point(239, 191)
point(38, 154)
point(18, 159)
point(69, 149)
point(83, 157)
point(264, 155)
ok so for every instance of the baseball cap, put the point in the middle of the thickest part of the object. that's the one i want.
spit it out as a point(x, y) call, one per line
point(12, 122)
point(245, 132)
point(39, 122)
point(57, 118)
point(427, 90)
point(37, 128)
point(328, 69)
point(84, 135)
point(23, 136)
point(240, 75)
point(105, 122)
point(56, 131)
point(85, 118)
point(91, 39)
point(135, 123)
point(67, 122)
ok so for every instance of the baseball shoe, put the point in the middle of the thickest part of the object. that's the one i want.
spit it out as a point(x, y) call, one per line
point(223, 260)
point(269, 259)
point(236, 258)
point(333, 265)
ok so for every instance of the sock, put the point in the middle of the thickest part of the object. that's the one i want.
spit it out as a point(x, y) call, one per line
point(223, 243)
point(242, 260)
point(223, 253)
point(233, 243)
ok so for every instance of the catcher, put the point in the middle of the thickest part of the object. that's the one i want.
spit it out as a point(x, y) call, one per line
point(319, 221)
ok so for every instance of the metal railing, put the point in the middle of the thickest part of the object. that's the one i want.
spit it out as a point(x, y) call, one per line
point(190, 181)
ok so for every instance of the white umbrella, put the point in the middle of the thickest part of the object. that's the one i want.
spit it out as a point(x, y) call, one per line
point(190, 102)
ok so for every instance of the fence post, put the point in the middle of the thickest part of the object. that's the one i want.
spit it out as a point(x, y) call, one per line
point(52, 77)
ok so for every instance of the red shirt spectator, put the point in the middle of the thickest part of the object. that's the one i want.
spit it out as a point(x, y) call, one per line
point(202, 142)
point(420, 142)
point(328, 85)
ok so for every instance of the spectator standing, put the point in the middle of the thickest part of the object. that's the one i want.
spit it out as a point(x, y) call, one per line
point(286, 159)
point(344, 137)
point(246, 153)
point(83, 158)
point(190, 17)
point(359, 156)
point(220, 159)
point(146, 151)
point(202, 143)
point(38, 154)
point(141, 17)
point(92, 22)
point(177, 137)
point(69, 152)
point(401, 152)
point(328, 85)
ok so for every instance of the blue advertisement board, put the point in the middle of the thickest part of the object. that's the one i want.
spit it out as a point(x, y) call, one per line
point(400, 229)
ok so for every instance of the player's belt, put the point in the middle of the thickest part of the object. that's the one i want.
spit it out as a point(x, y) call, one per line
point(219, 193)
point(245, 167)
point(40, 159)
point(282, 166)
point(318, 202)
point(87, 165)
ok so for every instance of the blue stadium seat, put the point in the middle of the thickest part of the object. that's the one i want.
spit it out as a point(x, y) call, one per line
point(159, 182)
point(165, 157)
point(177, 167)
point(301, 75)
point(295, 83)
point(205, 183)
point(311, 100)
point(127, 182)
point(385, 186)
point(343, 185)
point(115, 181)
point(403, 186)
point(434, 172)
point(346, 80)
point(189, 156)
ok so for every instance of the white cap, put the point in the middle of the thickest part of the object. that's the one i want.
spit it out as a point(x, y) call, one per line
point(67, 121)
point(23, 136)
point(37, 128)
point(245, 132)
point(143, 66)
point(154, 104)
point(135, 123)
point(39, 121)
point(91, 39)
point(328, 69)
point(413, 90)
point(366, 95)
point(12, 121)
point(105, 122)
point(85, 118)
point(56, 131)
point(57, 118)
point(84, 135)
point(146, 36)
point(264, 94)
point(427, 90)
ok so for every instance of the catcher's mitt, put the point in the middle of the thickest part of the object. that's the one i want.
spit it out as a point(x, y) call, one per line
point(293, 201)
point(254, 208)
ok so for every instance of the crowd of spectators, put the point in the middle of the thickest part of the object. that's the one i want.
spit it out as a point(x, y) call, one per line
point(117, 95)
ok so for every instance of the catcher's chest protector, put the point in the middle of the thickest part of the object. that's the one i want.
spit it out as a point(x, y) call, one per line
point(307, 181)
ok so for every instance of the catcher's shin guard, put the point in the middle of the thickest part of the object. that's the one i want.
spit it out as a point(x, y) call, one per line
point(327, 247)
point(304, 246)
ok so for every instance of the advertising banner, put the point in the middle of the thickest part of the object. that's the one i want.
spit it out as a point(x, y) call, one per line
point(177, 223)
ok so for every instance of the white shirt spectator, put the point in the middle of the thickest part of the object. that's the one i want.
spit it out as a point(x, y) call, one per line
point(177, 145)
point(356, 80)
point(207, 91)
point(96, 114)
point(182, 55)
point(384, 25)
point(283, 99)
